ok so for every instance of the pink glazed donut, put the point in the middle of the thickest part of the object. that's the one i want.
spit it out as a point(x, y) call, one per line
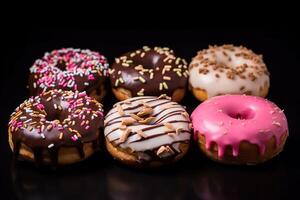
point(239, 129)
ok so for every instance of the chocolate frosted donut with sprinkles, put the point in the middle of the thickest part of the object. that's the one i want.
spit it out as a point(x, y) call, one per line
point(147, 131)
point(70, 69)
point(57, 127)
point(149, 71)
point(228, 69)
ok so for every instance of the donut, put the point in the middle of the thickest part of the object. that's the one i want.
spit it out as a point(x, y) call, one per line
point(56, 128)
point(239, 129)
point(149, 72)
point(147, 131)
point(69, 69)
point(228, 69)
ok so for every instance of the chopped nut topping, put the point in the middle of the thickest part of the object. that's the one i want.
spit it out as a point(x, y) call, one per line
point(128, 121)
point(145, 111)
point(147, 120)
point(169, 126)
point(120, 110)
point(124, 135)
point(141, 133)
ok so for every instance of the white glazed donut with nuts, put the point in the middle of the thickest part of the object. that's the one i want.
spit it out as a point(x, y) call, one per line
point(228, 69)
point(147, 131)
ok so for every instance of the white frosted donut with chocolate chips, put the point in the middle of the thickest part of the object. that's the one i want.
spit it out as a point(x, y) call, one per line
point(228, 69)
point(147, 131)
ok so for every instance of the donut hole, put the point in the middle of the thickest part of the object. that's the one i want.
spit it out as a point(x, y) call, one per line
point(53, 117)
point(230, 60)
point(242, 115)
point(61, 64)
point(221, 60)
point(54, 114)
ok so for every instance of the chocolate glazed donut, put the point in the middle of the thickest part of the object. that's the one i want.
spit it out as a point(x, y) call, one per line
point(149, 72)
point(69, 69)
point(56, 127)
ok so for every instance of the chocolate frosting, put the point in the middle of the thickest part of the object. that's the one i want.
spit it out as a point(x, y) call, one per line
point(68, 69)
point(149, 72)
point(56, 119)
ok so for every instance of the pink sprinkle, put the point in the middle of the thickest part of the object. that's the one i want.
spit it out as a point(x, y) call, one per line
point(91, 77)
point(74, 137)
point(82, 123)
point(100, 113)
point(19, 124)
point(87, 127)
point(72, 65)
point(82, 94)
point(40, 106)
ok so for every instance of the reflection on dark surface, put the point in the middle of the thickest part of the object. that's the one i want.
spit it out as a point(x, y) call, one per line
point(30, 182)
point(217, 182)
point(195, 177)
point(129, 184)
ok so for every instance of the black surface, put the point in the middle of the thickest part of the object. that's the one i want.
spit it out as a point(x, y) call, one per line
point(194, 177)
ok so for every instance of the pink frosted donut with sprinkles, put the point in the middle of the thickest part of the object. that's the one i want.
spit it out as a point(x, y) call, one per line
point(70, 69)
point(57, 127)
point(228, 69)
point(239, 129)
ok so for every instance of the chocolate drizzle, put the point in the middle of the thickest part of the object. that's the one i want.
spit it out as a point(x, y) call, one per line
point(80, 148)
point(56, 119)
point(54, 155)
point(38, 156)
point(17, 148)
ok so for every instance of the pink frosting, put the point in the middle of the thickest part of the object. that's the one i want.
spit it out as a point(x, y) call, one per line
point(229, 119)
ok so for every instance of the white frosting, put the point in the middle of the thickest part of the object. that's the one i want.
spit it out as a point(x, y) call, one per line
point(164, 111)
point(213, 85)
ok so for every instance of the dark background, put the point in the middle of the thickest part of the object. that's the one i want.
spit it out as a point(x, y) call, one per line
point(194, 177)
